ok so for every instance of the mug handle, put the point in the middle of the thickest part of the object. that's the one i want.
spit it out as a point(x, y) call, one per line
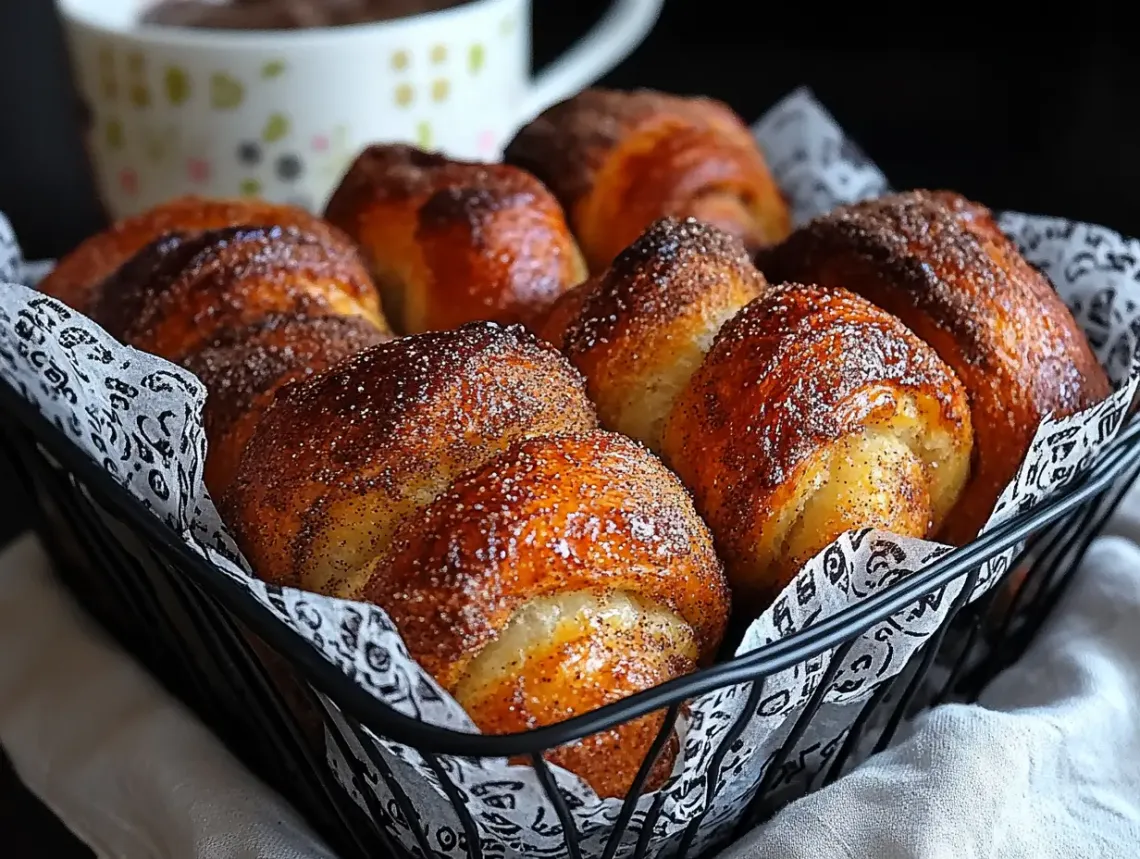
point(623, 27)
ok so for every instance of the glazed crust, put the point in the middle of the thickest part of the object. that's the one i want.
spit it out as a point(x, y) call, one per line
point(340, 459)
point(553, 324)
point(181, 290)
point(620, 160)
point(808, 396)
point(451, 242)
point(638, 336)
point(243, 368)
point(553, 519)
point(941, 264)
point(77, 279)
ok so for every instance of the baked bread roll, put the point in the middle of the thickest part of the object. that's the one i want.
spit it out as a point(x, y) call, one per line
point(243, 368)
point(642, 332)
point(815, 413)
point(451, 242)
point(341, 459)
point(620, 160)
point(552, 326)
point(941, 264)
point(76, 279)
point(564, 574)
point(182, 290)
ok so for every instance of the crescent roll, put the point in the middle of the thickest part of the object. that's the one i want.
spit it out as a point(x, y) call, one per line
point(618, 161)
point(341, 459)
point(77, 278)
point(451, 242)
point(642, 332)
point(243, 368)
point(941, 264)
point(181, 290)
point(816, 413)
point(564, 574)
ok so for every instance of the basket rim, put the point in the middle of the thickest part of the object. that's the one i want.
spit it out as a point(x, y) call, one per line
point(386, 722)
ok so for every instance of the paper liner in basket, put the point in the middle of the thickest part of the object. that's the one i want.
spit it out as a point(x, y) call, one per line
point(141, 418)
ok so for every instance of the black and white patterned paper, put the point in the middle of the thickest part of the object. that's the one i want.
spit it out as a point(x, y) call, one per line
point(141, 418)
point(11, 260)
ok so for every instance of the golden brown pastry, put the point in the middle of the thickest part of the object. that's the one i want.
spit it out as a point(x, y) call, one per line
point(182, 290)
point(341, 459)
point(551, 327)
point(941, 264)
point(816, 413)
point(243, 368)
point(451, 242)
point(76, 279)
point(642, 332)
point(564, 574)
point(620, 160)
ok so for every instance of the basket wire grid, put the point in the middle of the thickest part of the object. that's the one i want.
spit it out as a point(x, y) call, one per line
point(252, 680)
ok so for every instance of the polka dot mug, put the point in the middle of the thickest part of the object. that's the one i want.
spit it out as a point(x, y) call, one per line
point(279, 115)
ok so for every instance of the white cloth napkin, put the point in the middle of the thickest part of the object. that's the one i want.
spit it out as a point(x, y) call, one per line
point(127, 768)
point(1048, 767)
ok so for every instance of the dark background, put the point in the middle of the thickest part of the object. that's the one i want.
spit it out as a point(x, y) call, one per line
point(1041, 119)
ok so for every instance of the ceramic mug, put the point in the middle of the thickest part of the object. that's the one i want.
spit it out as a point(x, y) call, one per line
point(280, 114)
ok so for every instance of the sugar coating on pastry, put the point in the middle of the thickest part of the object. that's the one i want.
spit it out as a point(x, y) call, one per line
point(77, 279)
point(642, 332)
point(339, 460)
point(566, 573)
point(243, 368)
point(182, 289)
point(941, 264)
point(813, 414)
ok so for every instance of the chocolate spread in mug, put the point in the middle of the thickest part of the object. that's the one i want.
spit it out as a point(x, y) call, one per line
point(285, 14)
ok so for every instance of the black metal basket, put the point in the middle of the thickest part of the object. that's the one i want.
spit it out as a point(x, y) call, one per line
point(252, 679)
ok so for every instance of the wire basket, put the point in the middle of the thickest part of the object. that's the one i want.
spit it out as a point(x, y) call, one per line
point(252, 680)
point(309, 728)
